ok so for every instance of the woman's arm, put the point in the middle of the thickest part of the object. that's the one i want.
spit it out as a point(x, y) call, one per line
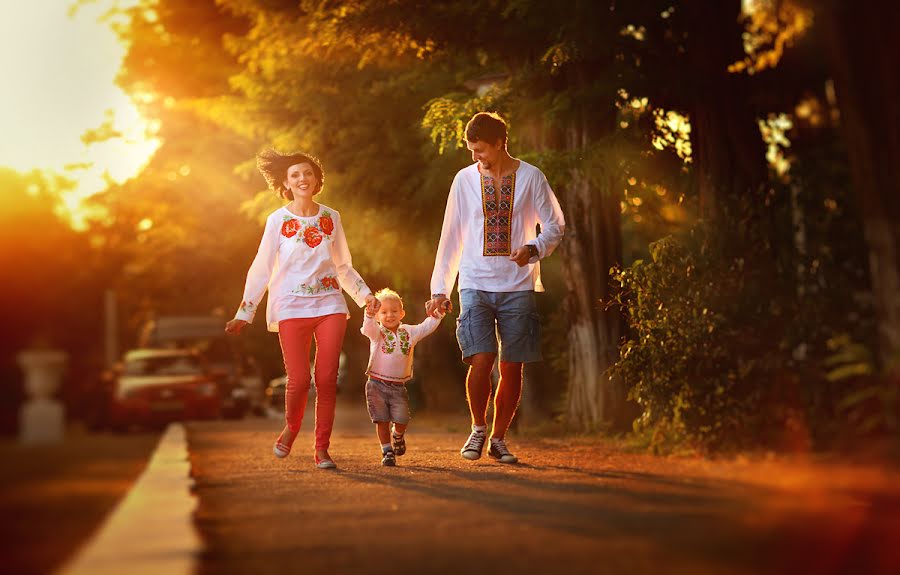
point(260, 271)
point(349, 278)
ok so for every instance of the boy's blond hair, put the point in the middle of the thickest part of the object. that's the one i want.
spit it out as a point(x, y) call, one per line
point(388, 294)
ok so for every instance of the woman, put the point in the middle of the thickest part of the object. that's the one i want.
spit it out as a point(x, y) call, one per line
point(304, 262)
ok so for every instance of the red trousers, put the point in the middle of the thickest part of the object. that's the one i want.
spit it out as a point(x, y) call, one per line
point(296, 336)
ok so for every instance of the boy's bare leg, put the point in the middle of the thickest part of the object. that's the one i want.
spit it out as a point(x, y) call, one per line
point(478, 386)
point(383, 428)
point(506, 401)
point(398, 442)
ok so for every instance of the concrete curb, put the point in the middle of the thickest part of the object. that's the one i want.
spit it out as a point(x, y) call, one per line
point(151, 530)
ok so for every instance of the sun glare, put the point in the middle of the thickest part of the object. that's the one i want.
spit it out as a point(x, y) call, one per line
point(58, 72)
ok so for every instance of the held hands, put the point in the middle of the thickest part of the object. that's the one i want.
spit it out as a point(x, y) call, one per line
point(522, 255)
point(372, 305)
point(235, 326)
point(438, 304)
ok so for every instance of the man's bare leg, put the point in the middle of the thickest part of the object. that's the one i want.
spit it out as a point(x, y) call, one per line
point(478, 386)
point(478, 392)
point(506, 401)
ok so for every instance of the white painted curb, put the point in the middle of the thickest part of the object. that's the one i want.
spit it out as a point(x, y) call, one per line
point(151, 530)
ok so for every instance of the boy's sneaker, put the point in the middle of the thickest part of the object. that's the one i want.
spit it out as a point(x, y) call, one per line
point(474, 446)
point(499, 451)
point(398, 442)
point(388, 460)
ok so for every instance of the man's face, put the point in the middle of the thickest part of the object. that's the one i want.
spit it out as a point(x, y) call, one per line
point(484, 153)
point(390, 313)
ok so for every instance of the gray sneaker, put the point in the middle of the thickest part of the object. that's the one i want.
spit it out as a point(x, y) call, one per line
point(499, 451)
point(474, 445)
point(388, 459)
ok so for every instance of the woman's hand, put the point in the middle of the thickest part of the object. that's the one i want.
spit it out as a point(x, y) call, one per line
point(235, 326)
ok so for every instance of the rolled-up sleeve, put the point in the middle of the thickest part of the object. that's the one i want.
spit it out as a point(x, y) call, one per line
point(449, 252)
point(550, 216)
point(260, 271)
point(349, 278)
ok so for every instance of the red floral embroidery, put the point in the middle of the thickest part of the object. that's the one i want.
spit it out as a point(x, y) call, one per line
point(327, 224)
point(312, 236)
point(290, 228)
point(331, 282)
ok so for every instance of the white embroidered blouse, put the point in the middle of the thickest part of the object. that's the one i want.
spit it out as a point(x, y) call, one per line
point(304, 262)
point(390, 353)
point(485, 222)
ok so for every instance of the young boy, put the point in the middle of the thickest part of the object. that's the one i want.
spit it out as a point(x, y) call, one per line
point(390, 367)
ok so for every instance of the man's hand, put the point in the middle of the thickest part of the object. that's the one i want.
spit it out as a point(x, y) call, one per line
point(523, 254)
point(438, 303)
point(235, 326)
point(372, 305)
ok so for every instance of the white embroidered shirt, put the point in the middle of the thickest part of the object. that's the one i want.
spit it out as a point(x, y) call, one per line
point(485, 222)
point(304, 262)
point(391, 353)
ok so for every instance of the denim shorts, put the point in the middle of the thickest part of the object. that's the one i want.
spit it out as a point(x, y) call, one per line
point(510, 316)
point(387, 401)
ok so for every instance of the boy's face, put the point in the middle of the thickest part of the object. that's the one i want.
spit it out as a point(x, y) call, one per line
point(390, 314)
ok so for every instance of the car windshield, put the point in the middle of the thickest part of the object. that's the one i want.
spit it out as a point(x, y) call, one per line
point(164, 365)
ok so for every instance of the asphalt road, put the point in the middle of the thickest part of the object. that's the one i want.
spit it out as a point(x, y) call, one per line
point(574, 505)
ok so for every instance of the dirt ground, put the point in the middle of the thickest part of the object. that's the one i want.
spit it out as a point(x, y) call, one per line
point(53, 498)
point(572, 506)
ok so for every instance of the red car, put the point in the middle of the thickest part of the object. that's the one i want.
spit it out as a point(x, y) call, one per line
point(155, 386)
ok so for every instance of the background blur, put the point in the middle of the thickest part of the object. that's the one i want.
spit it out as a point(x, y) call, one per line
point(728, 171)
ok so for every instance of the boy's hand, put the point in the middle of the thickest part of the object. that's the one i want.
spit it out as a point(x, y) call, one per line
point(372, 305)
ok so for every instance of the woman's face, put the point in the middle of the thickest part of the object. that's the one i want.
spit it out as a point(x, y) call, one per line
point(302, 180)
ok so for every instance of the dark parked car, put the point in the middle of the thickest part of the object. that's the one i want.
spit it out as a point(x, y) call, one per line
point(156, 386)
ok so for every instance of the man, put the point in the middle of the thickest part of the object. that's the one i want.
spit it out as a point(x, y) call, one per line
point(489, 239)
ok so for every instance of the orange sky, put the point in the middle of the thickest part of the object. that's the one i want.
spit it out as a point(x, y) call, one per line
point(58, 75)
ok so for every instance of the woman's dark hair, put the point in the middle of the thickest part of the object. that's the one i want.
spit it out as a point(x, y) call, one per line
point(274, 166)
point(487, 127)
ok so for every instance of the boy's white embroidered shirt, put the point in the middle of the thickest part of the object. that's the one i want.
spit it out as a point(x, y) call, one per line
point(470, 231)
point(391, 353)
point(304, 262)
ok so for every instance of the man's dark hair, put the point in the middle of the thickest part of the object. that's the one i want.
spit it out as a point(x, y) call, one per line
point(487, 127)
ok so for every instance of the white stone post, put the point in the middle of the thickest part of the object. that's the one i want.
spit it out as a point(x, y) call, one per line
point(42, 417)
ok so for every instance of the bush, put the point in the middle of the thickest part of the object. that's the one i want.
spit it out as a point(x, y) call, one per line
point(696, 346)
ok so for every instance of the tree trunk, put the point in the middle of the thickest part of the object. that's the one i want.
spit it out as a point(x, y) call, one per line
point(592, 246)
point(863, 51)
point(727, 148)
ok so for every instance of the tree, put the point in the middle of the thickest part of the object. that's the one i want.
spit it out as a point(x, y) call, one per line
point(863, 48)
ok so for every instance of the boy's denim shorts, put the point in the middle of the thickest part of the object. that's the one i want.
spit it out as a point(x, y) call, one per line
point(510, 316)
point(387, 401)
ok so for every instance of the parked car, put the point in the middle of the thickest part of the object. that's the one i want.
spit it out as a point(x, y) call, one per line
point(155, 386)
point(225, 354)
